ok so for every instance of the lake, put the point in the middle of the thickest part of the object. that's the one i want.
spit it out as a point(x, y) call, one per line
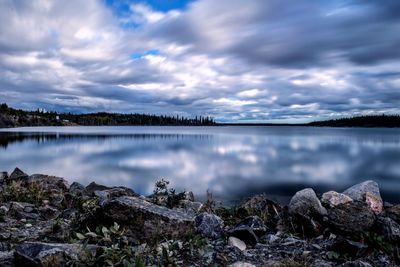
point(233, 162)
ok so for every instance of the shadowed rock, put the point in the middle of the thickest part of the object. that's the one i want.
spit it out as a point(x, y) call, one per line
point(249, 230)
point(37, 254)
point(389, 228)
point(394, 213)
point(352, 217)
point(209, 225)
point(145, 220)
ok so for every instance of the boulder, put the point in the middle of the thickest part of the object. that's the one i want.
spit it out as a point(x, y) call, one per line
point(236, 242)
point(209, 225)
point(306, 203)
point(306, 213)
point(367, 191)
point(332, 199)
point(352, 217)
point(249, 230)
point(388, 228)
point(17, 175)
point(146, 220)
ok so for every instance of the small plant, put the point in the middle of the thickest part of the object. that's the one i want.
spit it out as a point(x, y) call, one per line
point(162, 195)
point(33, 193)
point(294, 262)
point(115, 250)
point(210, 204)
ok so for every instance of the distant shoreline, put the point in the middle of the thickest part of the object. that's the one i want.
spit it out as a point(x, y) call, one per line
point(13, 118)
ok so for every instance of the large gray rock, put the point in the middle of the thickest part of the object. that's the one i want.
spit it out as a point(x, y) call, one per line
point(17, 175)
point(367, 191)
point(249, 230)
point(209, 225)
point(352, 217)
point(306, 203)
point(146, 220)
point(332, 199)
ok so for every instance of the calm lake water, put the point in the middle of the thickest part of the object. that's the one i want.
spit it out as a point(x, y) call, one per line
point(233, 162)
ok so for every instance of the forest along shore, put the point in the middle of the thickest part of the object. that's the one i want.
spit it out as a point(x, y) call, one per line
point(44, 221)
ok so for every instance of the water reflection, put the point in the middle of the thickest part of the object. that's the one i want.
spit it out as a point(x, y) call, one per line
point(233, 162)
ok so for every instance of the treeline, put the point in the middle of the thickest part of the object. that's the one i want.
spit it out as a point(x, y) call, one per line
point(10, 117)
point(361, 121)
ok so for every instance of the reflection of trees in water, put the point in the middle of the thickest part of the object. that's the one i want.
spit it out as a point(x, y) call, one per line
point(8, 138)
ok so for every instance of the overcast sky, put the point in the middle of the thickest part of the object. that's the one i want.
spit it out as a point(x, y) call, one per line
point(235, 60)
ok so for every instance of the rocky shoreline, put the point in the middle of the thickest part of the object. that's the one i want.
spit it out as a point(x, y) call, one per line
point(44, 221)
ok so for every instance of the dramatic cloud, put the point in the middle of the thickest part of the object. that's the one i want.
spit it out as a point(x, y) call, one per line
point(234, 60)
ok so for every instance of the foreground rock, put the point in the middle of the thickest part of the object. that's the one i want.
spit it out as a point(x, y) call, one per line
point(145, 220)
point(353, 217)
point(306, 203)
point(367, 191)
point(307, 213)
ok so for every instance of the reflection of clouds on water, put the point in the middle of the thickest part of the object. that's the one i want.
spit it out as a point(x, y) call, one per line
point(276, 160)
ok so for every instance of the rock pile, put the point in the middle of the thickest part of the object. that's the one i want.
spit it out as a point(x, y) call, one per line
point(46, 222)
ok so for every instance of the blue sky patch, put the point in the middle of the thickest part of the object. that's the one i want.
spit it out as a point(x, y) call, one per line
point(139, 55)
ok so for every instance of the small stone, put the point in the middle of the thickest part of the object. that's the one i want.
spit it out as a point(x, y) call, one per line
point(236, 242)
point(241, 264)
point(28, 225)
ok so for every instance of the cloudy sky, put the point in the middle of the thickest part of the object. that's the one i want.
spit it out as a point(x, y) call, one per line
point(235, 60)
